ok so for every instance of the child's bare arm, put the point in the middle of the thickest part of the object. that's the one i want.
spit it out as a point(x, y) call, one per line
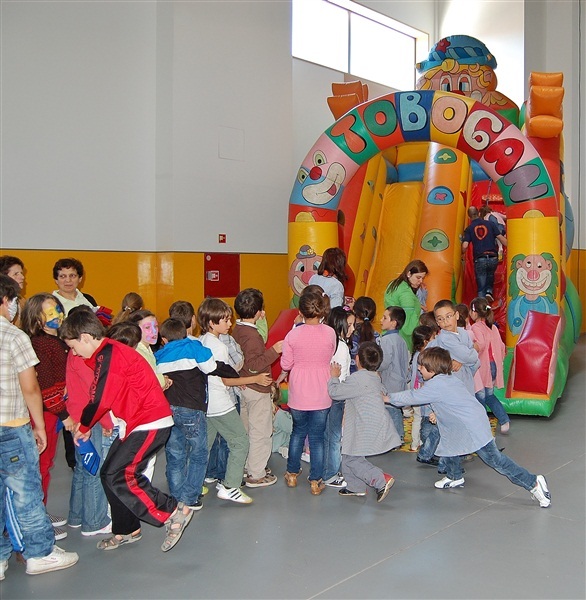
point(260, 379)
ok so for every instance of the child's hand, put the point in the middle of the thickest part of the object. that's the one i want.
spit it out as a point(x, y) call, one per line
point(69, 424)
point(456, 366)
point(476, 347)
point(168, 383)
point(81, 436)
point(335, 369)
point(432, 418)
point(278, 347)
point(263, 379)
point(386, 399)
point(282, 377)
point(298, 319)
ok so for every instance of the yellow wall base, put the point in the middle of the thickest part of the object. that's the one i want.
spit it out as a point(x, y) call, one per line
point(163, 277)
point(159, 277)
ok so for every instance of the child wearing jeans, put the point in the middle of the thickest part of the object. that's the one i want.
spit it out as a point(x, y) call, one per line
point(464, 426)
point(491, 353)
point(394, 369)
point(307, 352)
point(187, 362)
point(457, 342)
point(368, 427)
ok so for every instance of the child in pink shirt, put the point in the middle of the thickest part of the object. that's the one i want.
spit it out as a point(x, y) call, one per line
point(307, 352)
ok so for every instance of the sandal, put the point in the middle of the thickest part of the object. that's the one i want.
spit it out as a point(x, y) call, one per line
point(115, 541)
point(175, 527)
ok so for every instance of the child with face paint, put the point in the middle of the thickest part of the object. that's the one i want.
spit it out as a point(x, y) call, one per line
point(42, 316)
point(149, 327)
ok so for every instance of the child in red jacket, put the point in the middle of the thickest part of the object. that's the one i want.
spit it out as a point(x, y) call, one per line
point(125, 384)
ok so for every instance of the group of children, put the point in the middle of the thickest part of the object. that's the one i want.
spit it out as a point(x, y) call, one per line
point(348, 388)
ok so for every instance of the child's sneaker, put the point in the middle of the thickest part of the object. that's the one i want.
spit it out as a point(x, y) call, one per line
point(541, 493)
point(284, 451)
point(210, 480)
point(57, 560)
point(197, 505)
point(57, 521)
point(265, 481)
point(305, 457)
point(60, 533)
point(337, 481)
point(234, 494)
point(383, 492)
point(3, 569)
point(104, 531)
point(346, 492)
point(446, 483)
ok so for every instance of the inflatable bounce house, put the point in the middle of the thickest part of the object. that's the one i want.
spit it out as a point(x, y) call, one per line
point(392, 178)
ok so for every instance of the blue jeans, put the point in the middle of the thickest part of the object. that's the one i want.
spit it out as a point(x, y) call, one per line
point(333, 440)
point(397, 416)
point(500, 462)
point(19, 471)
point(430, 437)
point(486, 397)
point(218, 459)
point(187, 454)
point(484, 269)
point(88, 506)
point(108, 441)
point(310, 423)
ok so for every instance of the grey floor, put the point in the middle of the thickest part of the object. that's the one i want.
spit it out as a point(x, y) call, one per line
point(486, 540)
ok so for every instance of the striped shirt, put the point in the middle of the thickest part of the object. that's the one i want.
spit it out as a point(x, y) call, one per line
point(16, 355)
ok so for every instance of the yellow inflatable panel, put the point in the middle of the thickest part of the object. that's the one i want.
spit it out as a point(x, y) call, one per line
point(360, 229)
point(412, 152)
point(371, 233)
point(398, 223)
point(437, 241)
point(534, 269)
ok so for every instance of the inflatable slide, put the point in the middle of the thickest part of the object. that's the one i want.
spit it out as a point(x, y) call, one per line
point(392, 178)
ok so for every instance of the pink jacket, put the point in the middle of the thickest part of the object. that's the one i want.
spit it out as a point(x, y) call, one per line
point(487, 338)
point(307, 352)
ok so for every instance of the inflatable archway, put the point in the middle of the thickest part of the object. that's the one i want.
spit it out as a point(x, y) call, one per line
point(350, 153)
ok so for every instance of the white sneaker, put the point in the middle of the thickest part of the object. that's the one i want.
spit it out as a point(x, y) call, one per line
point(337, 481)
point(284, 451)
point(305, 457)
point(3, 569)
point(57, 560)
point(446, 483)
point(57, 521)
point(541, 493)
point(105, 530)
point(234, 494)
point(60, 533)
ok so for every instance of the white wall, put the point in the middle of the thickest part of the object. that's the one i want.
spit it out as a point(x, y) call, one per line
point(78, 125)
point(499, 25)
point(232, 127)
point(555, 42)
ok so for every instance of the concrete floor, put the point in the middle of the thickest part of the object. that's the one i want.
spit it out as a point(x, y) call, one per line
point(486, 540)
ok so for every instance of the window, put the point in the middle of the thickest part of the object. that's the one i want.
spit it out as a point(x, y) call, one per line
point(347, 37)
